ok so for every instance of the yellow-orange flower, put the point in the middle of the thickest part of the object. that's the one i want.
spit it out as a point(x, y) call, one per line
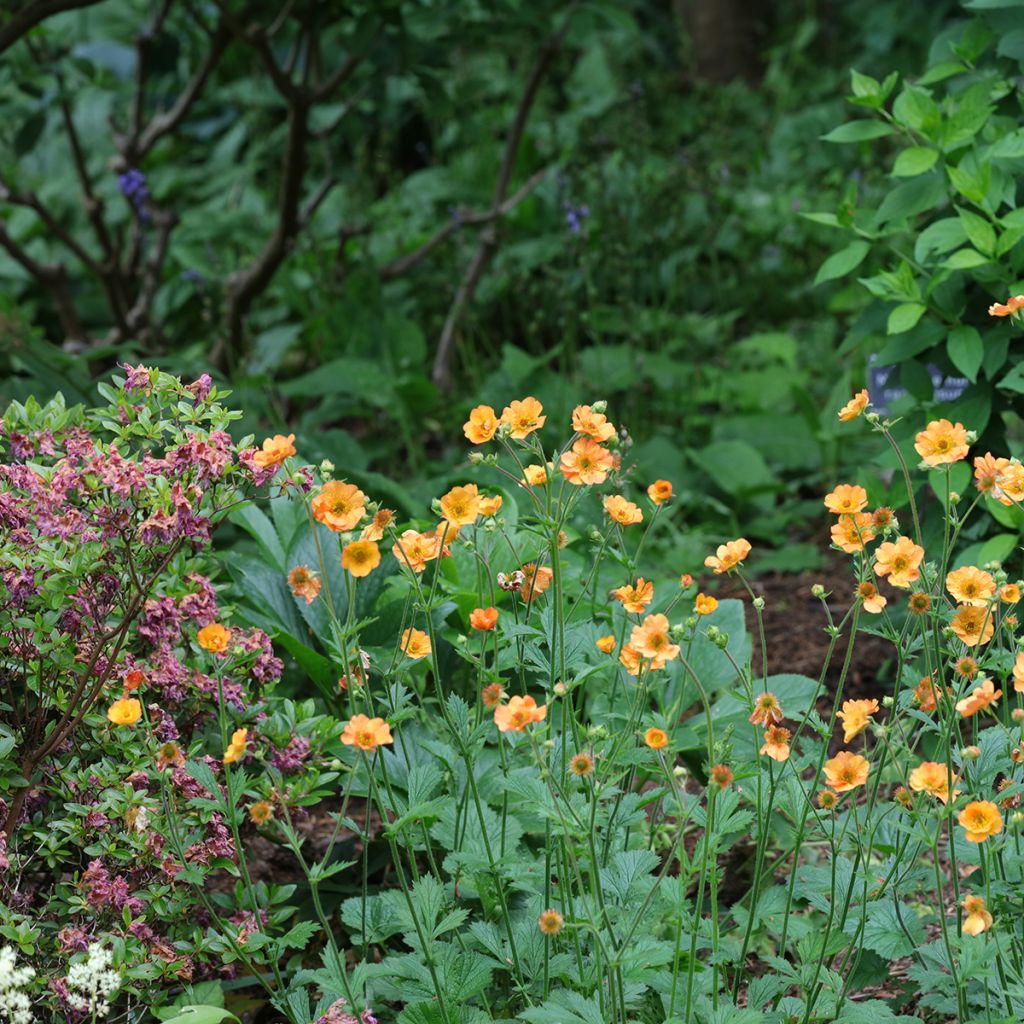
point(660, 491)
point(550, 922)
point(1009, 489)
point(932, 777)
point(982, 696)
point(651, 640)
point(919, 602)
point(275, 450)
point(728, 556)
point(236, 748)
point(1009, 308)
point(304, 583)
point(1018, 673)
point(855, 406)
point(851, 533)
point(261, 812)
point(366, 733)
point(776, 743)
point(605, 644)
point(721, 775)
point(490, 506)
point(855, 716)
point(518, 713)
point(656, 739)
point(482, 424)
point(339, 506)
point(360, 557)
point(1009, 593)
point(592, 424)
point(535, 476)
point(625, 513)
point(586, 463)
point(214, 638)
point(977, 919)
point(987, 470)
point(871, 599)
point(704, 604)
point(630, 660)
point(971, 585)
point(492, 695)
point(461, 505)
point(635, 596)
point(767, 710)
point(980, 819)
point(483, 619)
point(974, 626)
point(126, 711)
point(415, 644)
point(378, 526)
point(413, 550)
point(846, 499)
point(523, 418)
point(537, 579)
point(900, 561)
point(846, 771)
point(942, 442)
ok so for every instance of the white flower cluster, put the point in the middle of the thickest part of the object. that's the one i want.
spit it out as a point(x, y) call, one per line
point(15, 1007)
point(92, 982)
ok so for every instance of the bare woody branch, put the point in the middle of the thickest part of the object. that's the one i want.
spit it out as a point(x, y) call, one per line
point(31, 14)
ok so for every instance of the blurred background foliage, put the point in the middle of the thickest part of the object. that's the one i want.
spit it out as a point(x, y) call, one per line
point(367, 218)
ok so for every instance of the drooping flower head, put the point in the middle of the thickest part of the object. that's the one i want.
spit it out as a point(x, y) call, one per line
point(304, 583)
point(236, 748)
point(933, 778)
point(776, 743)
point(855, 406)
point(1010, 308)
point(983, 696)
point(518, 713)
point(728, 556)
point(482, 424)
point(871, 600)
point(855, 716)
point(977, 919)
point(767, 710)
point(635, 596)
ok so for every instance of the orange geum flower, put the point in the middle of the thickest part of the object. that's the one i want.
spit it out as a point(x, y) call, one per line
point(304, 583)
point(651, 640)
point(980, 819)
point(535, 476)
point(776, 743)
point(625, 513)
point(925, 694)
point(536, 579)
point(461, 505)
point(656, 739)
point(974, 626)
point(982, 696)
point(1018, 673)
point(1009, 308)
point(728, 556)
point(767, 710)
point(635, 596)
point(971, 585)
point(1009, 593)
point(523, 418)
point(855, 406)
point(275, 450)
point(721, 775)
point(366, 733)
point(846, 499)
point(360, 557)
point(1009, 489)
point(339, 506)
point(550, 922)
point(855, 716)
point(871, 599)
point(261, 812)
point(581, 765)
point(630, 660)
point(492, 695)
point(236, 748)
point(883, 517)
point(660, 491)
point(932, 777)
point(413, 550)
point(827, 800)
point(977, 919)
point(415, 644)
point(966, 667)
point(169, 753)
point(941, 443)
point(383, 518)
point(133, 680)
point(482, 424)
point(704, 604)
point(586, 463)
point(987, 470)
point(592, 424)
point(851, 533)
point(489, 506)
point(605, 644)
point(919, 602)
point(214, 638)
point(846, 771)
point(518, 713)
point(900, 561)
point(483, 619)
point(126, 711)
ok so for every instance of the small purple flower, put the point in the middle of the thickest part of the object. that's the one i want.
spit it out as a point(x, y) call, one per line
point(132, 185)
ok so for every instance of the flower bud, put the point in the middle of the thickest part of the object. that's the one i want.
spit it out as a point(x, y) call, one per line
point(817, 591)
point(758, 603)
point(872, 417)
point(971, 753)
point(334, 764)
point(560, 688)
point(680, 771)
point(595, 733)
point(475, 458)
point(888, 701)
point(954, 497)
point(722, 641)
point(1017, 819)
point(601, 405)
point(326, 469)
point(549, 744)
point(713, 632)
point(678, 631)
point(1017, 714)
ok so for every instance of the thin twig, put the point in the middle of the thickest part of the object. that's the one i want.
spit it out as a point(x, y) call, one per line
point(31, 14)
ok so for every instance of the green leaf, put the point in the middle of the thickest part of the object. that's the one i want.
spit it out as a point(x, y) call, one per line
point(858, 131)
point(979, 231)
point(966, 351)
point(914, 161)
point(257, 524)
point(842, 262)
point(201, 1015)
point(904, 317)
point(736, 466)
point(966, 259)
point(1014, 380)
